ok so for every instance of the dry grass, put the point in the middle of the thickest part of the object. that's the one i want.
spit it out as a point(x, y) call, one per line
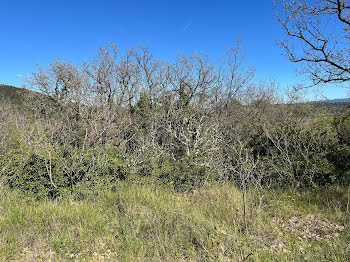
point(143, 223)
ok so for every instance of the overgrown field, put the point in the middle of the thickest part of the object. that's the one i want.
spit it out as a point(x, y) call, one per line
point(146, 223)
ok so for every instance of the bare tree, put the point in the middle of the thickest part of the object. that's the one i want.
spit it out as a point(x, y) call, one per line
point(190, 108)
point(318, 37)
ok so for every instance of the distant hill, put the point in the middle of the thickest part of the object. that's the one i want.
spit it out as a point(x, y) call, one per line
point(20, 96)
point(332, 106)
point(338, 100)
point(13, 95)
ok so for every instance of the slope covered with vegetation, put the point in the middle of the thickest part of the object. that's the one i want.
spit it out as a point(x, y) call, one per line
point(12, 94)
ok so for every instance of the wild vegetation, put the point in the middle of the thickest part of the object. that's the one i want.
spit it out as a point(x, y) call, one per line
point(148, 223)
point(182, 124)
point(131, 158)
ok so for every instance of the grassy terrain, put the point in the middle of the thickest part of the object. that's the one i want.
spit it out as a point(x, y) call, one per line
point(142, 223)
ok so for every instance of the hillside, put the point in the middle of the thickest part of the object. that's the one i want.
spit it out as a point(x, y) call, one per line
point(12, 94)
point(330, 107)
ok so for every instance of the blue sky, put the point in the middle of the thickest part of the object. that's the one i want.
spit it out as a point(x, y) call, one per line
point(37, 32)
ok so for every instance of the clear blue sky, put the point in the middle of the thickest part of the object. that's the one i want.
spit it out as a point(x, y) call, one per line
point(39, 31)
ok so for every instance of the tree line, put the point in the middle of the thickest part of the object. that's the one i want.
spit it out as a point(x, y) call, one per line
point(181, 124)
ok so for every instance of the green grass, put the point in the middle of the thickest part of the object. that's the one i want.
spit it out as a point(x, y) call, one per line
point(144, 223)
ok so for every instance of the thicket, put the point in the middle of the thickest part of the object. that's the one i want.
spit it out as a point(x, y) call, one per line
point(181, 124)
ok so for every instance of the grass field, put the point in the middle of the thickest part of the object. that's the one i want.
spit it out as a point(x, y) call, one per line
point(144, 223)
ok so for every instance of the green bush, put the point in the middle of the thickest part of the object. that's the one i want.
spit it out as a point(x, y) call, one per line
point(182, 174)
point(295, 153)
point(339, 156)
point(29, 172)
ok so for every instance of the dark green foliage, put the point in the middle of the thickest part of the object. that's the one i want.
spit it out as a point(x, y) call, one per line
point(341, 123)
point(184, 174)
point(339, 156)
point(180, 174)
point(19, 97)
point(292, 153)
point(12, 94)
point(29, 173)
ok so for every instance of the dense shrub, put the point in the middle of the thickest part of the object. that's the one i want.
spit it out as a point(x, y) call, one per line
point(30, 172)
point(180, 174)
point(181, 124)
point(296, 153)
